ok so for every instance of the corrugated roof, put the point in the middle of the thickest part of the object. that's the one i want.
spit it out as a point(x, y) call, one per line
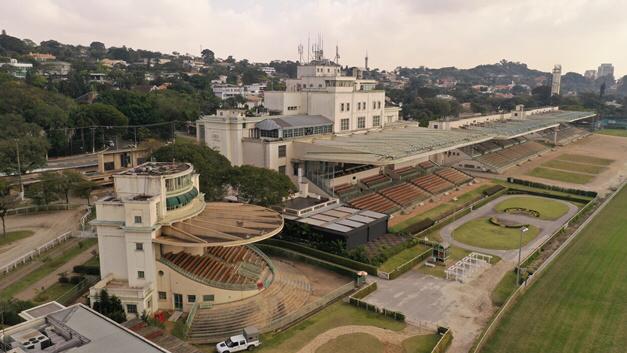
point(292, 121)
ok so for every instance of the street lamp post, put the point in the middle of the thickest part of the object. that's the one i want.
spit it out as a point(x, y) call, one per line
point(522, 230)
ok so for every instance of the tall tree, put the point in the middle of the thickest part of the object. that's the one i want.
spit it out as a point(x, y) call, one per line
point(261, 186)
point(110, 306)
point(28, 138)
point(208, 56)
point(7, 202)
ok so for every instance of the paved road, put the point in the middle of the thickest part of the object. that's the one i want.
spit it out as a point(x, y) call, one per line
point(547, 227)
point(46, 226)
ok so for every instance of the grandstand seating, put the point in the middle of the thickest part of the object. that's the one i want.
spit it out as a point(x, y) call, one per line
point(427, 165)
point(374, 202)
point(407, 172)
point(376, 180)
point(289, 291)
point(511, 155)
point(565, 134)
point(222, 264)
point(404, 194)
point(454, 176)
point(346, 191)
point(432, 183)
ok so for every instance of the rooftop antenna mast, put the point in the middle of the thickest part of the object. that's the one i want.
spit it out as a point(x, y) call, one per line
point(308, 47)
point(337, 54)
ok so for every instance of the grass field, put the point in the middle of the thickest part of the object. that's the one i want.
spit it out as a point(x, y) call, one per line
point(46, 268)
point(444, 208)
point(53, 292)
point(575, 167)
point(354, 342)
point(481, 233)
point(559, 175)
point(578, 305)
point(14, 236)
point(338, 314)
point(505, 287)
point(548, 209)
point(579, 158)
point(402, 257)
point(584, 199)
point(421, 344)
point(613, 132)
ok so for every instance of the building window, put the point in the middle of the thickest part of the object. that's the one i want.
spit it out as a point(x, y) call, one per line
point(364, 105)
point(348, 107)
point(139, 246)
point(358, 105)
point(361, 122)
point(344, 124)
point(140, 274)
point(374, 105)
point(191, 298)
point(282, 151)
point(295, 167)
point(163, 296)
point(138, 219)
point(341, 107)
point(208, 298)
point(282, 169)
point(376, 120)
point(131, 308)
point(379, 105)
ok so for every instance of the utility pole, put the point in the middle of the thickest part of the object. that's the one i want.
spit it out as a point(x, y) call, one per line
point(93, 140)
point(522, 230)
point(19, 170)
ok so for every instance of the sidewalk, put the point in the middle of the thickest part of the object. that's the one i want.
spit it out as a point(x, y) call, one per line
point(52, 278)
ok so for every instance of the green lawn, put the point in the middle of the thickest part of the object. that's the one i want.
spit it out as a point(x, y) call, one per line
point(584, 199)
point(506, 286)
point(613, 132)
point(14, 236)
point(354, 342)
point(338, 314)
point(559, 175)
point(575, 167)
point(549, 209)
point(439, 210)
point(578, 304)
point(421, 344)
point(402, 257)
point(481, 233)
point(579, 158)
point(46, 268)
point(53, 292)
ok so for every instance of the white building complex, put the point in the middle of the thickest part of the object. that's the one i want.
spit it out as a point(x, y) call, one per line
point(163, 248)
point(319, 104)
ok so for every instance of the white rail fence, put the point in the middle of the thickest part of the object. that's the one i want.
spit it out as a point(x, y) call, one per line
point(35, 252)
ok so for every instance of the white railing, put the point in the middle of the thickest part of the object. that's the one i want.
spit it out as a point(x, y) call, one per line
point(35, 252)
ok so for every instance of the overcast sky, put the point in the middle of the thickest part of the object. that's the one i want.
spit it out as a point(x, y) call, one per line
point(579, 34)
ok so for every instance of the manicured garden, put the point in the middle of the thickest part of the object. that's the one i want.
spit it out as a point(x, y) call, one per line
point(560, 175)
point(482, 233)
point(335, 315)
point(578, 303)
point(547, 208)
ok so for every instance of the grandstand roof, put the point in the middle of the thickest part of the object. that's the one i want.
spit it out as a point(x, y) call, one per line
point(291, 121)
point(390, 145)
point(223, 224)
point(520, 127)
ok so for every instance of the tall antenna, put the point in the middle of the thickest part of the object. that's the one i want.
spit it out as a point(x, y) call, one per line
point(366, 61)
point(308, 47)
point(337, 54)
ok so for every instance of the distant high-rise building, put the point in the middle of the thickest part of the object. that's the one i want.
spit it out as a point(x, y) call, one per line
point(591, 74)
point(605, 70)
point(557, 79)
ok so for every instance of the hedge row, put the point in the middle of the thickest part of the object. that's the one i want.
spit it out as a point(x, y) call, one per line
point(363, 292)
point(375, 309)
point(336, 259)
point(420, 226)
point(493, 190)
point(573, 198)
point(294, 255)
point(87, 270)
point(552, 187)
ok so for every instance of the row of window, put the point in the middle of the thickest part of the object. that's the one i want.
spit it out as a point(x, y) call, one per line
point(360, 106)
point(361, 122)
point(178, 183)
point(306, 131)
point(191, 298)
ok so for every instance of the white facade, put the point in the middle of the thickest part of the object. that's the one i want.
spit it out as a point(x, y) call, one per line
point(605, 70)
point(556, 80)
point(127, 224)
point(224, 91)
point(18, 69)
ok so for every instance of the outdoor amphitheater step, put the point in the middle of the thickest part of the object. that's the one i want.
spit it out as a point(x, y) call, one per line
point(289, 291)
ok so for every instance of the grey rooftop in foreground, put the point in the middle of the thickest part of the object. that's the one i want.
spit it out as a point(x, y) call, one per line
point(76, 329)
point(514, 128)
